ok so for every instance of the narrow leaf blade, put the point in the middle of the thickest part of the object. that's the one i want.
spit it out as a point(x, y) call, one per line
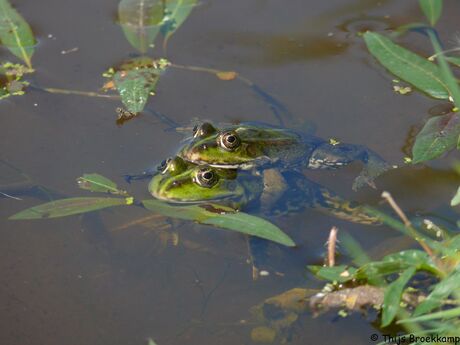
point(222, 217)
point(15, 33)
point(67, 207)
point(98, 183)
point(407, 65)
point(392, 296)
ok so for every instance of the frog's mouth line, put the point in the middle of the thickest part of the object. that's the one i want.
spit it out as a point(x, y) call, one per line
point(197, 202)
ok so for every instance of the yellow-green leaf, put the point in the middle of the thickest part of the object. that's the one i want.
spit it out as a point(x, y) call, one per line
point(15, 33)
point(98, 183)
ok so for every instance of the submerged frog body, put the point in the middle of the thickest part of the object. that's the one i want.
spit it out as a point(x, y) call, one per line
point(271, 192)
point(248, 146)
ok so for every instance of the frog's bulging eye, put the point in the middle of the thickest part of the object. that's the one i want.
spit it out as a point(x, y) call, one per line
point(206, 178)
point(163, 167)
point(203, 130)
point(229, 141)
point(176, 166)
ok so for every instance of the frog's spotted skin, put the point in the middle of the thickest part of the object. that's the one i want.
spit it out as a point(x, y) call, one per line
point(181, 182)
point(247, 146)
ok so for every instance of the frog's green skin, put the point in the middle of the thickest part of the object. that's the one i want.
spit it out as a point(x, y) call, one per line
point(248, 146)
point(184, 182)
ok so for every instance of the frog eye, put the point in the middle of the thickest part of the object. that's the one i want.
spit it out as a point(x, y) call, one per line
point(163, 167)
point(229, 141)
point(206, 177)
point(203, 130)
point(176, 166)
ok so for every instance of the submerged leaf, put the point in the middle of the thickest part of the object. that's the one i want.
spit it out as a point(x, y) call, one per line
point(141, 21)
point(223, 217)
point(406, 65)
point(432, 9)
point(15, 33)
point(176, 13)
point(98, 183)
point(439, 135)
point(67, 207)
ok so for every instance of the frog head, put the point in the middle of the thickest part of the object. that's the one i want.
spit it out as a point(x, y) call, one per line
point(236, 146)
point(181, 182)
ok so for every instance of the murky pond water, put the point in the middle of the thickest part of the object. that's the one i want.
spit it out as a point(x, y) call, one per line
point(94, 280)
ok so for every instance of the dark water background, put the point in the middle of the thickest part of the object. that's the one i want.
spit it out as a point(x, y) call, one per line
point(77, 280)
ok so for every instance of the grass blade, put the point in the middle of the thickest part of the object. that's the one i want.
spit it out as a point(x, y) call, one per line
point(392, 296)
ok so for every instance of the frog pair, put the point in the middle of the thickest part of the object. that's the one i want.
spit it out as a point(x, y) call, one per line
point(257, 166)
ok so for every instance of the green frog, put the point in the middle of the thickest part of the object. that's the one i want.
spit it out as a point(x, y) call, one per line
point(270, 191)
point(255, 145)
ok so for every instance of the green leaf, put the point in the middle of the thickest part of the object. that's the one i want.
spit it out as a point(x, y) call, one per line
point(341, 274)
point(441, 291)
point(446, 73)
point(176, 13)
point(432, 10)
point(456, 199)
point(222, 217)
point(445, 314)
point(392, 296)
point(15, 33)
point(406, 65)
point(455, 60)
point(99, 183)
point(438, 136)
point(141, 21)
point(137, 82)
point(67, 207)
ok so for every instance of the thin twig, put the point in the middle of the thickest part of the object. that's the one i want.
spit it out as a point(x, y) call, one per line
point(80, 93)
point(331, 243)
point(407, 223)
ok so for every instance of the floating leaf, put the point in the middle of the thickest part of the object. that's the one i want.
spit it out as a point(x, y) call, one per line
point(223, 217)
point(456, 199)
point(432, 10)
point(439, 135)
point(406, 65)
point(99, 183)
point(67, 207)
point(141, 21)
point(15, 33)
point(176, 12)
point(392, 296)
point(136, 81)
